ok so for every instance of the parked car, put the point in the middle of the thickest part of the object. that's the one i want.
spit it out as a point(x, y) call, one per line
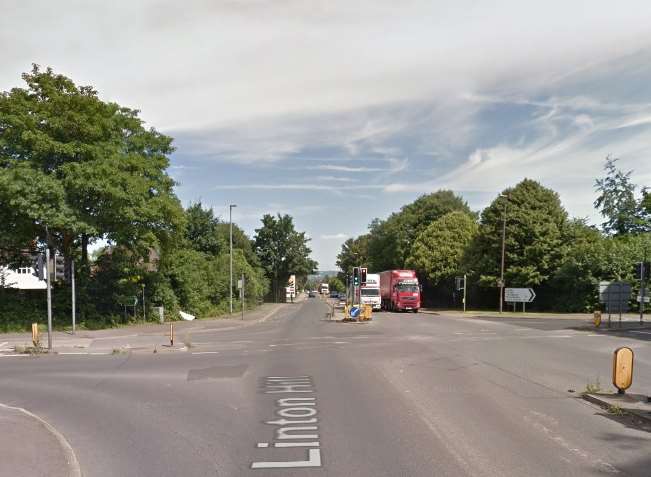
point(334, 294)
point(311, 294)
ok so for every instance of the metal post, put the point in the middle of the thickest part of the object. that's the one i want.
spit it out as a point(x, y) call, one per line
point(144, 311)
point(465, 285)
point(230, 224)
point(242, 296)
point(503, 249)
point(643, 273)
point(74, 300)
point(49, 298)
point(619, 303)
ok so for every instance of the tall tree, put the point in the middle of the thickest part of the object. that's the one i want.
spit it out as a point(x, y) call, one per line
point(535, 224)
point(282, 251)
point(617, 202)
point(391, 240)
point(104, 169)
point(354, 253)
point(438, 251)
point(201, 230)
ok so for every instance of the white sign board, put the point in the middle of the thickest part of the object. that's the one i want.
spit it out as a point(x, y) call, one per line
point(519, 295)
point(646, 299)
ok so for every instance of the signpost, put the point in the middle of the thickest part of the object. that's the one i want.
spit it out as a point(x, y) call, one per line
point(615, 295)
point(461, 285)
point(519, 295)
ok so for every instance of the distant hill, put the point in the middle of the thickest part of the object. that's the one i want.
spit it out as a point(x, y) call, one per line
point(323, 273)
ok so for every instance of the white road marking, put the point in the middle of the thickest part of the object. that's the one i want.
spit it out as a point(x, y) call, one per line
point(342, 342)
point(67, 354)
point(4, 343)
point(206, 352)
point(641, 332)
point(12, 355)
point(297, 422)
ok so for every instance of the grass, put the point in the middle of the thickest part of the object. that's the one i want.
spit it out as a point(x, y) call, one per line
point(592, 387)
point(616, 410)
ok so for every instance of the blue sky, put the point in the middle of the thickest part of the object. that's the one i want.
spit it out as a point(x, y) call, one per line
point(339, 112)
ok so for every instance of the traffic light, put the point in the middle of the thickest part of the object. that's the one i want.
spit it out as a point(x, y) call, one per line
point(59, 268)
point(363, 275)
point(356, 276)
point(40, 268)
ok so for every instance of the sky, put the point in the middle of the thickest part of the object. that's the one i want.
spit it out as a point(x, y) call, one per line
point(337, 112)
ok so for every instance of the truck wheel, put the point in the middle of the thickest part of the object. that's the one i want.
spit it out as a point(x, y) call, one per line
point(415, 311)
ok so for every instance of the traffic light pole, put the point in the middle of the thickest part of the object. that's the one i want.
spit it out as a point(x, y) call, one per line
point(74, 301)
point(49, 297)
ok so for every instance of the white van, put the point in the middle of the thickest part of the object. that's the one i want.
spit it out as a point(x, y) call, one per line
point(370, 291)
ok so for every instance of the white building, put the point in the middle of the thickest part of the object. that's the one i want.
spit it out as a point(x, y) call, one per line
point(23, 278)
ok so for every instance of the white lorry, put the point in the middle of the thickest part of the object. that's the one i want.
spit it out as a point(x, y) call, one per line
point(370, 291)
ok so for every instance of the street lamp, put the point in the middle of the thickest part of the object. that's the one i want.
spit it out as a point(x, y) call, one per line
point(501, 284)
point(230, 224)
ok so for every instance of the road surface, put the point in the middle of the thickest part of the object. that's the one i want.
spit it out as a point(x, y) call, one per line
point(404, 395)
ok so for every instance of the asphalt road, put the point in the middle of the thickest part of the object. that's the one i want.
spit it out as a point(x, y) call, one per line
point(404, 395)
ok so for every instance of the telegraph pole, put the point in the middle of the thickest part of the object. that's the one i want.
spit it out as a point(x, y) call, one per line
point(643, 274)
point(503, 250)
point(230, 222)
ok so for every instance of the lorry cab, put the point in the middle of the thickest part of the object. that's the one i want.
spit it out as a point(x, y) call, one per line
point(406, 295)
point(400, 290)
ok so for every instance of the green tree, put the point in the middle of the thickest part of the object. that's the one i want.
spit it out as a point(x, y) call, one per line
point(336, 284)
point(535, 227)
point(282, 251)
point(354, 253)
point(201, 230)
point(390, 241)
point(105, 171)
point(438, 251)
point(616, 201)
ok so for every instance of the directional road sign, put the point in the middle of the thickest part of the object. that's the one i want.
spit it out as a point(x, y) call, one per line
point(519, 295)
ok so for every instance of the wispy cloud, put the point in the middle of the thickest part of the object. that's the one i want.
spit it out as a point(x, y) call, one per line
point(339, 168)
point(335, 179)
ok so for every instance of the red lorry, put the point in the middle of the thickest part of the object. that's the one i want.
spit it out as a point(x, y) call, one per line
point(400, 290)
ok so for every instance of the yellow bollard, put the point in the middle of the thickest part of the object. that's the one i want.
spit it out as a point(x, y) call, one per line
point(597, 318)
point(623, 369)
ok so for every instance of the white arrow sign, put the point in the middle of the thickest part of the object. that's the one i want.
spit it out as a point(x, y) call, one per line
point(520, 295)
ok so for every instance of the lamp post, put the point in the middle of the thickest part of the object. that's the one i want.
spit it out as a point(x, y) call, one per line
point(503, 250)
point(230, 222)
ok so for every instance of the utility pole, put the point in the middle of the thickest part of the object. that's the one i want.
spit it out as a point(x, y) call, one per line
point(74, 300)
point(230, 223)
point(643, 274)
point(242, 296)
point(503, 249)
point(144, 312)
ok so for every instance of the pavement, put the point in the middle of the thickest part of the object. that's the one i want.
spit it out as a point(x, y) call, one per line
point(142, 337)
point(300, 394)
